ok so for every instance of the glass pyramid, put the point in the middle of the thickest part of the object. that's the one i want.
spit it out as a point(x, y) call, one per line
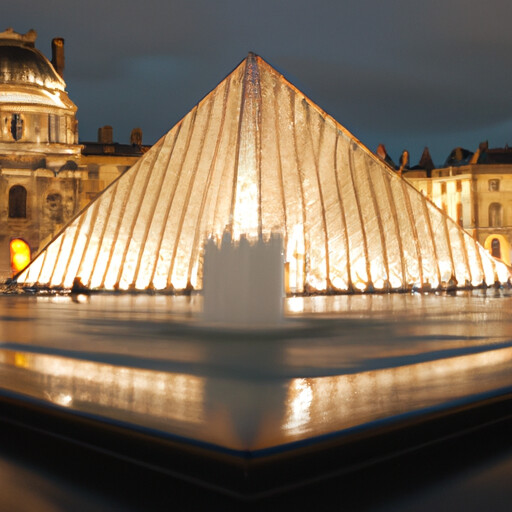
point(256, 157)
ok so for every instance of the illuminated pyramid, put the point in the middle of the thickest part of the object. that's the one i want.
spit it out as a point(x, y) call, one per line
point(256, 157)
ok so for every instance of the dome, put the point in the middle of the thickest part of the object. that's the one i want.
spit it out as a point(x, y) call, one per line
point(27, 78)
point(22, 64)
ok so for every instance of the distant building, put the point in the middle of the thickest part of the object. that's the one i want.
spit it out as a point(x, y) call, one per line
point(475, 190)
point(46, 175)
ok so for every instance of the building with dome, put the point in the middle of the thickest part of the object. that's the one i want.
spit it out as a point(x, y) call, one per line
point(46, 175)
point(37, 114)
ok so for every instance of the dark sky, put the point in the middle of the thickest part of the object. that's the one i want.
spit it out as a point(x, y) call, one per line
point(403, 72)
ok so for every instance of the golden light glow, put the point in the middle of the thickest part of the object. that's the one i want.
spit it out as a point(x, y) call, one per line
point(35, 97)
point(20, 255)
point(255, 157)
point(504, 246)
point(300, 398)
point(164, 394)
point(314, 405)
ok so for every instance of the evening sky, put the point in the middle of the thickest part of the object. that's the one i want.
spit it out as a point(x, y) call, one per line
point(405, 73)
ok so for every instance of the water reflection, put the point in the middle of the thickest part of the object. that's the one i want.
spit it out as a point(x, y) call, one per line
point(69, 382)
point(342, 362)
point(321, 405)
point(250, 413)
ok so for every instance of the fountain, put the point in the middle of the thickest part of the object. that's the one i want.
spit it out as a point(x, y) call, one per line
point(243, 282)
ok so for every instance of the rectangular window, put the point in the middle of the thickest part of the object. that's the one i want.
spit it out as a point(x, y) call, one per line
point(53, 128)
point(444, 205)
point(460, 222)
point(494, 185)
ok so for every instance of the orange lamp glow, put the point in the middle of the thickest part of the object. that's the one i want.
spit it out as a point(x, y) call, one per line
point(20, 255)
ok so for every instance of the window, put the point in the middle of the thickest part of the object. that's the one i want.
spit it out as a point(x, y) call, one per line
point(444, 207)
point(494, 185)
point(496, 248)
point(18, 202)
point(16, 126)
point(495, 220)
point(53, 128)
point(460, 221)
point(54, 207)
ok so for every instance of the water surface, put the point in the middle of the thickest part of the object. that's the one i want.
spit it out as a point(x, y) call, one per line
point(335, 363)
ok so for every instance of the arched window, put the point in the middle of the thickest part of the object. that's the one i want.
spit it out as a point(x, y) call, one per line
point(495, 220)
point(18, 202)
point(496, 248)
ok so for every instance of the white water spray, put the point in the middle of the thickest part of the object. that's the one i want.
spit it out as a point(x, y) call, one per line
point(243, 282)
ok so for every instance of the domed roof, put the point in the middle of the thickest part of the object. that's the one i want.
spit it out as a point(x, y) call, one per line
point(22, 64)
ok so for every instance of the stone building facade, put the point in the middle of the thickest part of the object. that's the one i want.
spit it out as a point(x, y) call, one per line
point(475, 190)
point(46, 175)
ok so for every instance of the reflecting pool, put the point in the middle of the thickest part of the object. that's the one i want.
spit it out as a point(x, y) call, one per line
point(336, 362)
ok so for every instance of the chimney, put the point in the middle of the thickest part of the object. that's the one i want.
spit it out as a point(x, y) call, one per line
point(105, 135)
point(136, 137)
point(58, 55)
point(404, 162)
point(381, 151)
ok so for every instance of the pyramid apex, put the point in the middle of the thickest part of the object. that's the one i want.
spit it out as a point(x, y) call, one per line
point(252, 58)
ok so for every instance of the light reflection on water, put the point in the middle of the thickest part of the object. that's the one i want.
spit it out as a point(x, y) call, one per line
point(338, 361)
